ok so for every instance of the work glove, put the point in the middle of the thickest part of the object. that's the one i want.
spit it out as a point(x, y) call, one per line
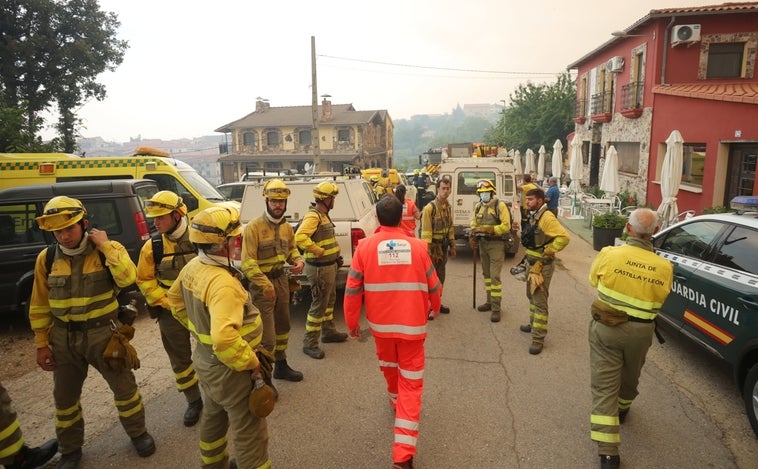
point(535, 278)
point(119, 354)
point(262, 397)
point(487, 230)
point(473, 242)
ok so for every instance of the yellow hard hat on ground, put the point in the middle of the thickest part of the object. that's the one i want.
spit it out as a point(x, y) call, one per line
point(325, 189)
point(214, 224)
point(61, 212)
point(163, 203)
point(485, 185)
point(276, 189)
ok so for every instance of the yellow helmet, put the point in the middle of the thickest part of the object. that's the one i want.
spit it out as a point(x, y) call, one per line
point(325, 189)
point(416, 171)
point(214, 224)
point(61, 212)
point(373, 179)
point(163, 203)
point(276, 189)
point(485, 185)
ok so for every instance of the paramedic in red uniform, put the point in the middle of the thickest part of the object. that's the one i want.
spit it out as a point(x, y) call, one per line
point(393, 274)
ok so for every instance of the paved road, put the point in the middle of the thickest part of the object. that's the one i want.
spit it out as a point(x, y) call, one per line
point(487, 402)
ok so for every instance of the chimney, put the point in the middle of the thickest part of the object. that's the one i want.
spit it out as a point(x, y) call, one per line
point(326, 109)
point(261, 104)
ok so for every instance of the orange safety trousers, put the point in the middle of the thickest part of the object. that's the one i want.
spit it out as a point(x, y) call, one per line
point(402, 363)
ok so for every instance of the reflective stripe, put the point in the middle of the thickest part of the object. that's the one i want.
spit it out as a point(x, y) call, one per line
point(632, 306)
point(604, 419)
point(396, 286)
point(605, 437)
point(406, 424)
point(405, 439)
point(408, 374)
point(387, 364)
point(399, 328)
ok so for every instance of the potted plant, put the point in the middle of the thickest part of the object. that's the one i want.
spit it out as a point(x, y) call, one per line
point(606, 227)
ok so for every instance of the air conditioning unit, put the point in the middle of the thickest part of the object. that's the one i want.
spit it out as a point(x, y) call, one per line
point(615, 64)
point(685, 34)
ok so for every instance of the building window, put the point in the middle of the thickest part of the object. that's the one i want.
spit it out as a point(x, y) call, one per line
point(248, 139)
point(693, 166)
point(343, 135)
point(304, 137)
point(628, 156)
point(273, 165)
point(726, 60)
point(272, 138)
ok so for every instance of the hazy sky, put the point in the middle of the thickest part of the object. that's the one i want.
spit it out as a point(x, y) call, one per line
point(193, 66)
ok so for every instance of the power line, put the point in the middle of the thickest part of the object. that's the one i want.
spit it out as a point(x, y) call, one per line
point(437, 68)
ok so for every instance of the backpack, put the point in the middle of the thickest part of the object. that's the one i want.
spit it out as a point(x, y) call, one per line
point(157, 240)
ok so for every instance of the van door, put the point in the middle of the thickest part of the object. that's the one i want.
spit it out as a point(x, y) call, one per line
point(463, 193)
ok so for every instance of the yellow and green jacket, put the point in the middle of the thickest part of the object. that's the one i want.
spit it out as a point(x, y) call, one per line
point(315, 237)
point(212, 303)
point(154, 281)
point(78, 288)
point(266, 247)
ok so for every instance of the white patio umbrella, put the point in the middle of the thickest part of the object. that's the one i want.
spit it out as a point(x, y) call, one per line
point(575, 165)
point(541, 164)
point(530, 166)
point(671, 178)
point(610, 180)
point(557, 160)
point(517, 163)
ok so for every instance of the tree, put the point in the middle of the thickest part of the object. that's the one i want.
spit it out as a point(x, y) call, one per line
point(52, 52)
point(537, 115)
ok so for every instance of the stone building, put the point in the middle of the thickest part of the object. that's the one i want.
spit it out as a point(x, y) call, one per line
point(280, 139)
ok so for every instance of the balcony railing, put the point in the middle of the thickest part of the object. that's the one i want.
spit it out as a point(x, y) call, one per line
point(601, 107)
point(631, 99)
point(580, 111)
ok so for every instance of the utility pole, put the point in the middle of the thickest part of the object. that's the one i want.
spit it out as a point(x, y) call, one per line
point(315, 140)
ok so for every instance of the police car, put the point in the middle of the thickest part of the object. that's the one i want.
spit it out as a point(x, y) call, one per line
point(714, 297)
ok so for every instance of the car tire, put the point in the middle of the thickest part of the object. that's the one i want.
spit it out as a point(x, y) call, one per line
point(750, 396)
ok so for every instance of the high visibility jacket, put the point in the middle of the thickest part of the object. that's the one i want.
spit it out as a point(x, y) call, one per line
point(437, 223)
point(265, 249)
point(216, 308)
point(632, 278)
point(154, 281)
point(408, 222)
point(78, 288)
point(494, 213)
point(315, 237)
point(546, 233)
point(394, 275)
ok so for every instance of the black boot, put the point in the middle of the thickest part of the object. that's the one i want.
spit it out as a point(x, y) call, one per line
point(282, 370)
point(28, 457)
point(70, 460)
point(144, 444)
point(192, 414)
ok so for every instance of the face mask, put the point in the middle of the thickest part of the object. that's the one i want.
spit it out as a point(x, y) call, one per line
point(485, 197)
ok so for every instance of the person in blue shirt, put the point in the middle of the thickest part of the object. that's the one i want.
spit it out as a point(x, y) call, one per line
point(552, 195)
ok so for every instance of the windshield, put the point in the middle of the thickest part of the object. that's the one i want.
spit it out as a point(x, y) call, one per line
point(202, 186)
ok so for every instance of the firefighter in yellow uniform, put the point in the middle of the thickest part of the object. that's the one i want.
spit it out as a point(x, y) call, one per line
point(72, 310)
point(491, 222)
point(437, 231)
point(632, 283)
point(160, 261)
point(268, 242)
point(14, 453)
point(542, 236)
point(523, 188)
point(209, 299)
point(315, 237)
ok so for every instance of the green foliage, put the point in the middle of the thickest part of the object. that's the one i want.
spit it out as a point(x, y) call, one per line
point(716, 209)
point(609, 220)
point(594, 191)
point(628, 199)
point(51, 56)
point(537, 115)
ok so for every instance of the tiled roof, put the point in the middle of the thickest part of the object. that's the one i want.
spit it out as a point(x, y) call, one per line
point(729, 7)
point(300, 116)
point(720, 9)
point(733, 92)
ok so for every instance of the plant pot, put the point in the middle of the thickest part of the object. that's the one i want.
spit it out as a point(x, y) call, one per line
point(602, 237)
